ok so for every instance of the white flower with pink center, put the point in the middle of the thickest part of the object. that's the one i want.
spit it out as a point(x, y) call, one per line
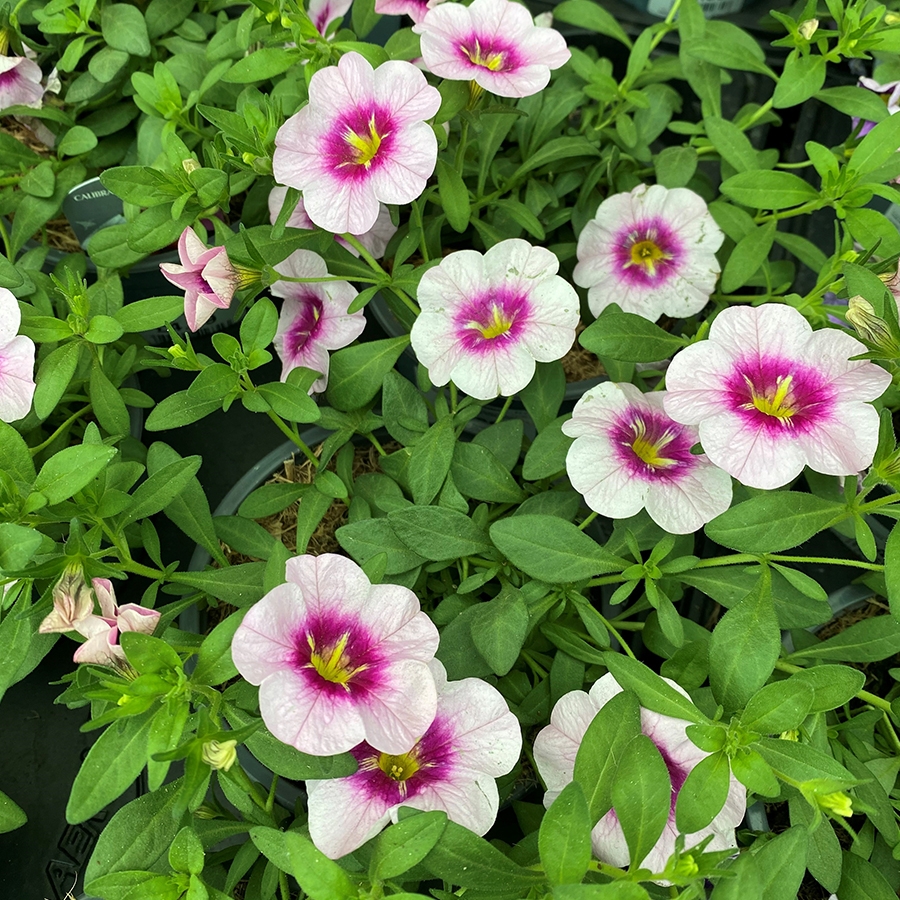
point(494, 43)
point(361, 140)
point(16, 362)
point(770, 396)
point(339, 660)
point(375, 240)
point(486, 318)
point(314, 317)
point(629, 455)
point(20, 82)
point(415, 9)
point(324, 12)
point(652, 251)
point(555, 749)
point(473, 740)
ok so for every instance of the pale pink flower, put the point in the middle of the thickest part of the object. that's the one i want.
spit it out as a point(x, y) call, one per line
point(72, 604)
point(494, 43)
point(361, 140)
point(889, 93)
point(324, 12)
point(652, 250)
point(102, 632)
point(770, 395)
point(375, 240)
point(628, 455)
point(487, 317)
point(20, 82)
point(16, 362)
point(415, 9)
point(205, 275)
point(555, 749)
point(473, 740)
point(314, 317)
point(339, 660)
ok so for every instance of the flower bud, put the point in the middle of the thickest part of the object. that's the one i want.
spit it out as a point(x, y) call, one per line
point(190, 165)
point(808, 28)
point(836, 803)
point(206, 812)
point(72, 603)
point(871, 327)
point(219, 754)
point(687, 866)
point(792, 735)
point(892, 18)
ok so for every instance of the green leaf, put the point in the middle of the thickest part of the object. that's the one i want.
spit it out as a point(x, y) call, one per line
point(629, 337)
point(832, 685)
point(703, 793)
point(652, 691)
point(214, 662)
point(550, 549)
point(15, 454)
point(876, 148)
point(592, 17)
point(71, 469)
point(258, 327)
point(544, 394)
point(564, 840)
point(478, 474)
point(109, 407)
point(454, 197)
point(179, 409)
point(11, 815)
point(732, 144)
point(238, 585)
point(850, 100)
point(799, 762)
point(406, 844)
point(124, 29)
point(369, 537)
point(430, 461)
point(768, 189)
point(557, 150)
point(77, 140)
point(860, 880)
point(547, 454)
point(290, 402)
point(802, 78)
point(675, 166)
point(437, 533)
point(358, 372)
point(261, 65)
point(867, 641)
point(161, 488)
point(53, 377)
point(18, 545)
point(777, 707)
point(499, 628)
point(186, 853)
point(748, 256)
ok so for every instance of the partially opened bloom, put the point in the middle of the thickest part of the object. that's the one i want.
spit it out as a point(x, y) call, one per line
point(652, 250)
point(769, 396)
point(361, 140)
point(324, 12)
point(375, 240)
point(20, 82)
point(415, 9)
point(73, 602)
point(473, 740)
point(16, 362)
point(494, 43)
point(339, 660)
point(486, 318)
point(314, 317)
point(555, 749)
point(205, 275)
point(890, 95)
point(628, 455)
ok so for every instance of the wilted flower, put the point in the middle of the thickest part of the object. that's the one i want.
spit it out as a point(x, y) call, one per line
point(487, 317)
point(555, 749)
point(628, 455)
point(871, 327)
point(314, 317)
point(494, 43)
point(20, 82)
point(205, 275)
point(415, 9)
point(339, 660)
point(651, 250)
point(16, 362)
point(770, 396)
point(473, 739)
point(73, 602)
point(361, 140)
point(219, 754)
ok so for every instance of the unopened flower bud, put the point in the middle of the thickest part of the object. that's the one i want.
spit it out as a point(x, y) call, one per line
point(687, 866)
point(190, 165)
point(871, 327)
point(808, 28)
point(72, 603)
point(792, 735)
point(206, 812)
point(892, 18)
point(177, 352)
point(219, 754)
point(836, 803)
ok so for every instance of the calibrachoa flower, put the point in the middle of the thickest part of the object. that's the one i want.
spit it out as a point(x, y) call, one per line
point(314, 317)
point(324, 12)
point(72, 604)
point(375, 240)
point(651, 250)
point(555, 749)
point(770, 395)
point(473, 740)
point(16, 362)
point(415, 9)
point(486, 318)
point(20, 82)
point(889, 93)
point(205, 275)
point(494, 43)
point(361, 139)
point(628, 455)
point(339, 660)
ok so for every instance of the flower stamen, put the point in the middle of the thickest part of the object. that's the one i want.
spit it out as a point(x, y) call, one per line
point(492, 60)
point(365, 146)
point(646, 253)
point(779, 404)
point(333, 664)
point(649, 450)
point(497, 325)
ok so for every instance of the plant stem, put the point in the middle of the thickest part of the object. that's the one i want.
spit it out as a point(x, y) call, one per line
point(65, 425)
point(376, 444)
point(282, 426)
point(587, 521)
point(503, 411)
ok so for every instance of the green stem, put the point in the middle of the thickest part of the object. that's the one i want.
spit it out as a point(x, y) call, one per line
point(376, 267)
point(461, 147)
point(62, 428)
point(423, 246)
point(810, 206)
point(376, 444)
point(136, 568)
point(612, 630)
point(877, 504)
point(282, 426)
point(824, 560)
point(587, 521)
point(325, 278)
point(503, 411)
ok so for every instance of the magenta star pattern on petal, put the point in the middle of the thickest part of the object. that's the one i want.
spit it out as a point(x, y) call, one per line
point(770, 396)
point(205, 275)
point(494, 43)
point(486, 318)
point(16, 362)
point(361, 140)
point(339, 660)
point(473, 740)
point(555, 749)
point(20, 82)
point(415, 9)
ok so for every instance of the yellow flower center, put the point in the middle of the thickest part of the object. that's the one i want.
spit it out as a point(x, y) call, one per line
point(333, 663)
point(365, 146)
point(650, 451)
point(399, 768)
point(497, 325)
point(778, 403)
point(492, 60)
point(647, 254)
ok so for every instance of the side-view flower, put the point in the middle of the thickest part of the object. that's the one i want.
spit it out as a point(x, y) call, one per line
point(16, 362)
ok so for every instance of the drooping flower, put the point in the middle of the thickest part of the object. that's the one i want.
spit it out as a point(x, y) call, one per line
point(494, 43)
point(324, 12)
point(628, 455)
point(415, 9)
point(889, 93)
point(20, 82)
point(769, 396)
point(555, 749)
point(651, 250)
point(314, 317)
point(361, 140)
point(102, 632)
point(375, 240)
point(473, 740)
point(205, 275)
point(339, 660)
point(486, 318)
point(16, 362)
point(73, 602)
